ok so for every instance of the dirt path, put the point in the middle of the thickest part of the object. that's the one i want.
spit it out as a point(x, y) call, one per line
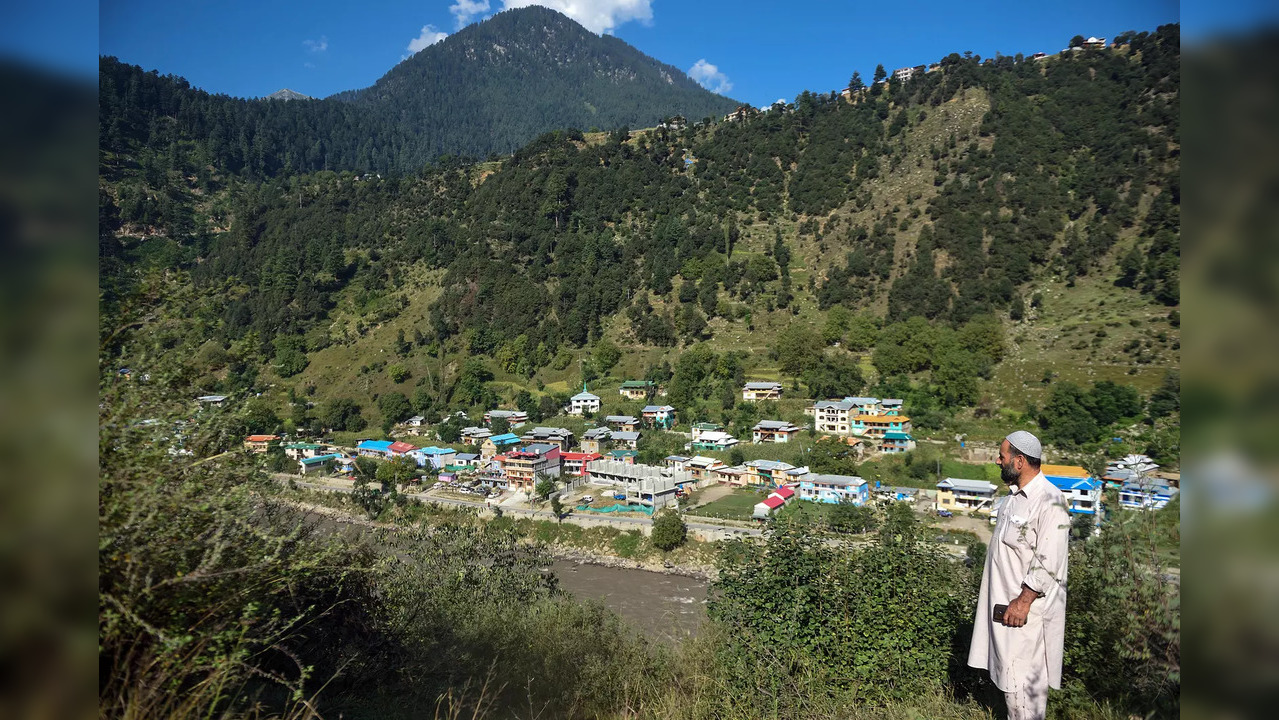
point(979, 526)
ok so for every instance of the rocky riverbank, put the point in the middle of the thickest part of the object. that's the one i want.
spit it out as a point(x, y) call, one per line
point(707, 573)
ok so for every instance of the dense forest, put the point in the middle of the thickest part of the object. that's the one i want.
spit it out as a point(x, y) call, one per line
point(490, 88)
point(539, 250)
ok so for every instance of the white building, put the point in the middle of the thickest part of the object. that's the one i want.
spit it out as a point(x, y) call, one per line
point(713, 441)
point(643, 484)
point(1146, 494)
point(818, 487)
point(832, 417)
point(584, 402)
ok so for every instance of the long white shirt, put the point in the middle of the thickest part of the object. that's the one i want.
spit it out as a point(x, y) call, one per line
point(1029, 547)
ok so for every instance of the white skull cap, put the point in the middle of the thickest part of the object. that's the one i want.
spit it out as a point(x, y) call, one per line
point(1026, 443)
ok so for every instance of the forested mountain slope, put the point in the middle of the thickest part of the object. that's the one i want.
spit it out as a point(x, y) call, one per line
point(489, 88)
point(960, 198)
point(493, 86)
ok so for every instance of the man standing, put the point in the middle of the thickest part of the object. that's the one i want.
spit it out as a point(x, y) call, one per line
point(1025, 569)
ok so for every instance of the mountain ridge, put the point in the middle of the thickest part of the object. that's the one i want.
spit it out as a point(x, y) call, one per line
point(459, 97)
point(498, 67)
point(287, 94)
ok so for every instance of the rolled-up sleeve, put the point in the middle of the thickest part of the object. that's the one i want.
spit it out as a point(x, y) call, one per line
point(1048, 566)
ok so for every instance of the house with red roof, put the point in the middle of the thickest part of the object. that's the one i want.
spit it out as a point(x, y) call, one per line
point(575, 462)
point(260, 443)
point(400, 448)
point(768, 507)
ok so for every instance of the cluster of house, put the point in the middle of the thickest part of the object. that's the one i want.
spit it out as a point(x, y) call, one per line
point(513, 460)
point(906, 73)
point(311, 457)
point(876, 422)
point(1082, 491)
point(1139, 487)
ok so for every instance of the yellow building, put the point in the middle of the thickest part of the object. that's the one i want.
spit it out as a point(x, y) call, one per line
point(960, 495)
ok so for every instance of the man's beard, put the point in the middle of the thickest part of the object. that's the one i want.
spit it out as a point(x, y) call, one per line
point(1009, 474)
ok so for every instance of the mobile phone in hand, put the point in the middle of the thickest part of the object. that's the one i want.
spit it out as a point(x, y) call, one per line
point(998, 614)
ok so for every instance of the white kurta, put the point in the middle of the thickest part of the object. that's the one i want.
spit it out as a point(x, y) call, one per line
point(1029, 547)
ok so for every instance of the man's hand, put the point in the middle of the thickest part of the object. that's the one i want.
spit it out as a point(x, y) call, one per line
point(1019, 608)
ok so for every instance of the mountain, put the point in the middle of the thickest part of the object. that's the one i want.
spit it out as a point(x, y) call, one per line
point(494, 85)
point(287, 94)
point(489, 88)
point(977, 236)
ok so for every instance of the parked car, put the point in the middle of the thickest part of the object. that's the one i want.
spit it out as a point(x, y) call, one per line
point(945, 513)
point(587, 499)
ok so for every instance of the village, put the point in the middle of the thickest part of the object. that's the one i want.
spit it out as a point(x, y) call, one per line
point(506, 462)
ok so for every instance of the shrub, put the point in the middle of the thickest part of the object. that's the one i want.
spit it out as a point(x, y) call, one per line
point(839, 611)
point(398, 373)
point(669, 531)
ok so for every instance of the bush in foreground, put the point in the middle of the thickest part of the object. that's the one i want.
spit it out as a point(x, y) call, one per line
point(669, 531)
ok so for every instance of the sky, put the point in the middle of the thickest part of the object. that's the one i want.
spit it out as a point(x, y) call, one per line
point(755, 51)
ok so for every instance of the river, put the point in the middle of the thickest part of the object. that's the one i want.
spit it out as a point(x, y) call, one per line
point(663, 607)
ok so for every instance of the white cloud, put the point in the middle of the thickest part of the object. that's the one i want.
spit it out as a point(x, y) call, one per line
point(598, 16)
point(429, 37)
point(467, 10)
point(709, 77)
point(317, 46)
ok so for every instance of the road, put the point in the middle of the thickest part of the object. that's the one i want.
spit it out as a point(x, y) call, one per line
point(704, 528)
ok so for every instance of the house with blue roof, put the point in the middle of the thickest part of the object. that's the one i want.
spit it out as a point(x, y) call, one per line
point(1082, 491)
point(435, 457)
point(1146, 494)
point(374, 448)
point(498, 443)
point(896, 441)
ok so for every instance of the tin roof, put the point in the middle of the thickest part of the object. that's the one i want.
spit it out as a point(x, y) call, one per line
point(965, 484)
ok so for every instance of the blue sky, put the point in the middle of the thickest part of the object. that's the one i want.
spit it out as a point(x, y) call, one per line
point(751, 50)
